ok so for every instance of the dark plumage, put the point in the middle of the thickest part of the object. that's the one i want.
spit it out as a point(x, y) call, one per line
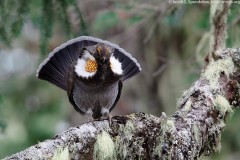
point(91, 71)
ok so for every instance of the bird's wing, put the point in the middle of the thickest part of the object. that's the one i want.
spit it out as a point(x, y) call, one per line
point(70, 91)
point(118, 96)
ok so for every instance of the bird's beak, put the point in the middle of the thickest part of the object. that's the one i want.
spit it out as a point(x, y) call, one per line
point(104, 59)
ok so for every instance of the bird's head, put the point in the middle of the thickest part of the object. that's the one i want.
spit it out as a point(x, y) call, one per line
point(97, 58)
point(101, 52)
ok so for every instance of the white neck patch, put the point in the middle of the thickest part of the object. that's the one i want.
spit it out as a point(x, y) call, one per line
point(116, 66)
point(87, 55)
point(80, 65)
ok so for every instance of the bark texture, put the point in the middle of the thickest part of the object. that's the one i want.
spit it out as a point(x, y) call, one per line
point(193, 131)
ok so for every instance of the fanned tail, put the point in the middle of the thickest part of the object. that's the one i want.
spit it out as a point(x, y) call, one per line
point(56, 67)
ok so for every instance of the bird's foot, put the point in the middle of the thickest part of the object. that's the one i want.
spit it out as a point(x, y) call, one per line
point(90, 118)
point(109, 119)
point(107, 116)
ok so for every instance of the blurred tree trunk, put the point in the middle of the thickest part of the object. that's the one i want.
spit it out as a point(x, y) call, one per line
point(218, 18)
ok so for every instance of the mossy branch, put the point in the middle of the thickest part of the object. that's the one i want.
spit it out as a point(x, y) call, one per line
point(194, 130)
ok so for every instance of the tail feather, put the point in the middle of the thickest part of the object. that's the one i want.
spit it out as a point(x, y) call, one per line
point(49, 73)
point(130, 66)
point(69, 55)
point(59, 63)
point(64, 54)
point(74, 50)
point(126, 63)
point(131, 73)
point(121, 57)
point(54, 70)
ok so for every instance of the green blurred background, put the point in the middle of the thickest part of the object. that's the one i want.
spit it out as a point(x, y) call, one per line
point(170, 41)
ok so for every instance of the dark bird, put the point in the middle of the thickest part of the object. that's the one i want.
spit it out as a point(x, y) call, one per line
point(91, 70)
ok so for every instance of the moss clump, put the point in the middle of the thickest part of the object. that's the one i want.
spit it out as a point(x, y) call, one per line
point(214, 137)
point(103, 147)
point(128, 129)
point(222, 105)
point(122, 144)
point(195, 132)
point(121, 148)
point(163, 140)
point(215, 68)
point(168, 125)
point(61, 154)
point(187, 106)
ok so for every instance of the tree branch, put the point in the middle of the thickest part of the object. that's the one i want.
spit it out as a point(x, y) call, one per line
point(218, 18)
point(194, 130)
